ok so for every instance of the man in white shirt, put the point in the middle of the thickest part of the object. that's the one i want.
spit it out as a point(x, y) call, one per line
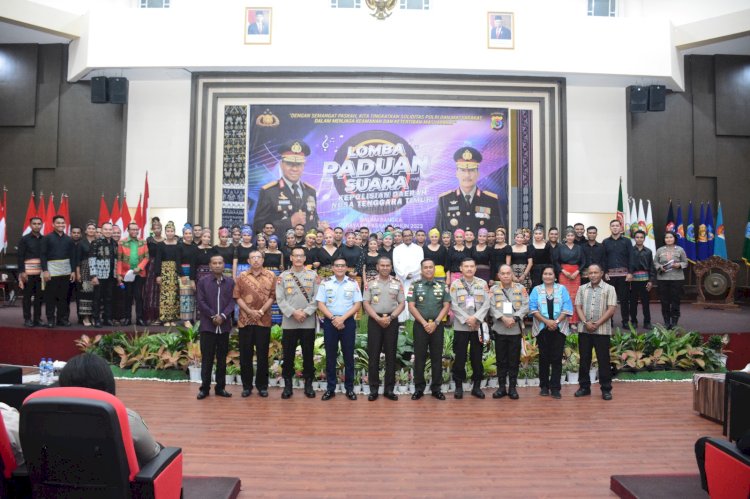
point(407, 259)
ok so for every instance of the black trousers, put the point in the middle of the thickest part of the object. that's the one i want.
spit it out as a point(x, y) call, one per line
point(508, 355)
point(118, 301)
point(669, 295)
point(551, 345)
point(103, 294)
point(638, 292)
point(214, 346)
point(433, 342)
point(56, 298)
point(133, 292)
point(289, 341)
point(380, 339)
point(600, 344)
point(32, 289)
point(254, 339)
point(623, 295)
point(463, 341)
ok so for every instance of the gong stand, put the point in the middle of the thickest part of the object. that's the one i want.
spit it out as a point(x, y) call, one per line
point(716, 281)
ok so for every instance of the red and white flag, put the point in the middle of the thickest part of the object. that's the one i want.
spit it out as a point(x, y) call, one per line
point(49, 214)
point(40, 212)
point(64, 211)
point(103, 212)
point(3, 221)
point(116, 218)
point(30, 213)
point(125, 214)
point(138, 218)
point(144, 215)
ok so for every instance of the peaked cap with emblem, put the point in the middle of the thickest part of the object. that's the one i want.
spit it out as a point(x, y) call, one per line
point(467, 158)
point(294, 151)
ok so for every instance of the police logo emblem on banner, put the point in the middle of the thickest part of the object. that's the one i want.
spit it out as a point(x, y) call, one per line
point(497, 121)
point(267, 119)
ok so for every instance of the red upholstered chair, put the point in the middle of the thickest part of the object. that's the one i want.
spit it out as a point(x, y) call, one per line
point(77, 443)
point(13, 482)
point(725, 471)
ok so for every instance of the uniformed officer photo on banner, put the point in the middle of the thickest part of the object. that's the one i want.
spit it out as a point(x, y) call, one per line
point(354, 166)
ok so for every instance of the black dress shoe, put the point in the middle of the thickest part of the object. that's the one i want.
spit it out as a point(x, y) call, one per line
point(390, 396)
point(63, 323)
point(351, 395)
point(263, 393)
point(108, 323)
point(201, 395)
point(373, 396)
point(125, 322)
point(309, 392)
point(500, 393)
point(438, 395)
point(458, 394)
point(28, 323)
point(98, 324)
point(607, 395)
point(544, 392)
point(477, 392)
point(141, 322)
point(223, 393)
point(329, 394)
point(246, 392)
point(583, 392)
point(287, 392)
point(417, 395)
point(513, 394)
point(556, 394)
point(50, 324)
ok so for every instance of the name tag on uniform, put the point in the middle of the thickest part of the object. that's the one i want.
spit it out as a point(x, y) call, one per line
point(469, 302)
point(507, 307)
point(349, 295)
point(375, 298)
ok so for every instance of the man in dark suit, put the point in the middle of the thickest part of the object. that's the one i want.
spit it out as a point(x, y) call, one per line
point(288, 201)
point(500, 32)
point(468, 207)
point(259, 27)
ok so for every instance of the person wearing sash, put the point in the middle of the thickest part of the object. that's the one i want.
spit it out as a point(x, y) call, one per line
point(58, 255)
point(569, 261)
point(509, 305)
point(383, 301)
point(132, 258)
point(187, 270)
point(617, 249)
point(295, 295)
point(470, 303)
point(641, 267)
point(150, 287)
point(30, 272)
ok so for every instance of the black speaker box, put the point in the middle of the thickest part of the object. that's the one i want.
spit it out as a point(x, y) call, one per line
point(118, 90)
point(657, 95)
point(99, 90)
point(638, 99)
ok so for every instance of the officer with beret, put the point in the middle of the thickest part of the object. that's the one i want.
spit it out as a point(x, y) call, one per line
point(288, 201)
point(383, 301)
point(468, 207)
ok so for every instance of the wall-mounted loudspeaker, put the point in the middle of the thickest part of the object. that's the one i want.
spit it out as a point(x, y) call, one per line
point(99, 90)
point(638, 99)
point(657, 95)
point(118, 90)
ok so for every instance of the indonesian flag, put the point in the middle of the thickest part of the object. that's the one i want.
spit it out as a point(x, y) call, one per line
point(3, 218)
point(144, 214)
point(49, 214)
point(138, 218)
point(125, 214)
point(103, 212)
point(30, 213)
point(116, 218)
point(65, 212)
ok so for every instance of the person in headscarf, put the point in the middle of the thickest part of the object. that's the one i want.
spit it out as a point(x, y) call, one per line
point(274, 261)
point(188, 269)
point(457, 254)
point(436, 252)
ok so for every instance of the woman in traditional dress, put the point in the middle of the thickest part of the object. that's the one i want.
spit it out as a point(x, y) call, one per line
point(500, 254)
point(226, 250)
point(166, 271)
point(387, 248)
point(481, 253)
point(521, 261)
point(261, 243)
point(273, 260)
point(187, 268)
point(289, 245)
point(569, 261)
point(541, 255)
point(203, 258)
point(370, 269)
point(457, 254)
point(326, 255)
point(242, 252)
point(438, 253)
point(150, 288)
point(83, 274)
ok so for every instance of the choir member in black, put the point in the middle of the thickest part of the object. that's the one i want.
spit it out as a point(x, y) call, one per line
point(188, 254)
point(327, 254)
point(290, 242)
point(30, 272)
point(580, 233)
point(500, 254)
point(553, 239)
point(319, 239)
point(226, 250)
point(387, 248)
point(521, 261)
point(481, 254)
point(150, 288)
point(457, 254)
point(76, 234)
point(354, 257)
point(261, 243)
point(642, 268)
point(593, 252)
point(569, 261)
point(273, 260)
point(541, 255)
point(242, 253)
point(438, 253)
point(85, 291)
point(617, 249)
point(167, 276)
point(491, 238)
point(312, 252)
point(236, 235)
point(469, 239)
point(370, 269)
point(203, 256)
point(58, 255)
point(446, 239)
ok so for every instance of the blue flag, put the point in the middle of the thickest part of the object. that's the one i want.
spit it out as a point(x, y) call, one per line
point(710, 230)
point(701, 240)
point(679, 228)
point(690, 235)
point(720, 244)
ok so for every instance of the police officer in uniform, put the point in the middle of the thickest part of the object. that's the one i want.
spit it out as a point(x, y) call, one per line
point(509, 305)
point(468, 207)
point(295, 294)
point(339, 298)
point(288, 201)
point(383, 301)
point(429, 302)
point(470, 303)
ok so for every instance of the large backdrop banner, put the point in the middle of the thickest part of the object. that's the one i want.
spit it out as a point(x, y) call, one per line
point(377, 165)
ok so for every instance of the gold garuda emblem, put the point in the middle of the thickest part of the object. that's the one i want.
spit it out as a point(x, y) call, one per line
point(267, 119)
point(382, 8)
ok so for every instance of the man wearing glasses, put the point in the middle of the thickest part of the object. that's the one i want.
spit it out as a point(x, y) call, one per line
point(339, 298)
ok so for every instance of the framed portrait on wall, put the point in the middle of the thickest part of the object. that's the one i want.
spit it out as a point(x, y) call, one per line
point(501, 33)
point(258, 25)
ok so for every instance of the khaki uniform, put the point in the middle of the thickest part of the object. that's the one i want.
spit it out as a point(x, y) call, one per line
point(384, 296)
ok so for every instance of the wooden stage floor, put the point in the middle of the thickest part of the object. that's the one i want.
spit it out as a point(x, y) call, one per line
point(532, 447)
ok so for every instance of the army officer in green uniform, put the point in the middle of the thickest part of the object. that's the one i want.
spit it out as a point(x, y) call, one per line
point(429, 302)
point(468, 207)
point(288, 201)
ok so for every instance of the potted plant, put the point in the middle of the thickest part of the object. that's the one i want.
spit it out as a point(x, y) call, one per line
point(718, 344)
point(193, 354)
point(233, 373)
point(572, 365)
point(533, 375)
point(447, 385)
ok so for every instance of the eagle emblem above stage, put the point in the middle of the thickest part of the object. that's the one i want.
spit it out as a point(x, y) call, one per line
point(382, 8)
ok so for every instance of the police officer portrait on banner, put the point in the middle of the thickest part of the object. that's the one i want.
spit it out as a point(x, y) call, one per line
point(288, 201)
point(468, 207)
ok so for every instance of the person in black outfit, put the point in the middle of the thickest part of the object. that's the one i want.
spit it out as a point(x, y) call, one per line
point(541, 256)
point(353, 255)
point(593, 252)
point(580, 234)
point(617, 249)
point(58, 255)
point(29, 272)
point(642, 268)
point(102, 265)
